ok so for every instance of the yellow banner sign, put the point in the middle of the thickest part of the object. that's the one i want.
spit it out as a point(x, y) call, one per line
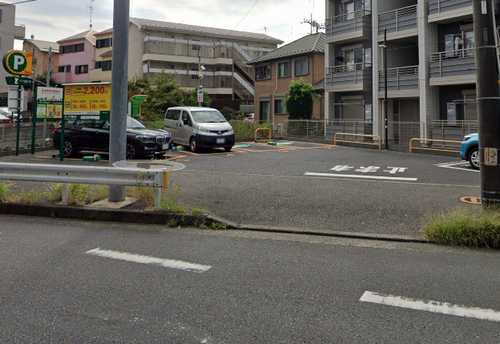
point(91, 99)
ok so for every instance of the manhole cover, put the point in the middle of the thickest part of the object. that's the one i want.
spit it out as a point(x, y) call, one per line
point(471, 200)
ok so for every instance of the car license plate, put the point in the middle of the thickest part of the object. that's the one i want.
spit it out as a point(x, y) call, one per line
point(164, 147)
point(220, 141)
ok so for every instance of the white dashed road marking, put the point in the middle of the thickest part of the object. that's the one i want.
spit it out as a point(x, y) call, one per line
point(462, 166)
point(431, 306)
point(357, 176)
point(140, 259)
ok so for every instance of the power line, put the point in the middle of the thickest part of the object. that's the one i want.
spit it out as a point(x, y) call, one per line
point(248, 13)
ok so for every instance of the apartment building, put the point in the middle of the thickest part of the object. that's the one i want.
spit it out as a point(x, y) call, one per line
point(9, 31)
point(178, 50)
point(76, 58)
point(300, 59)
point(430, 60)
point(103, 56)
point(41, 50)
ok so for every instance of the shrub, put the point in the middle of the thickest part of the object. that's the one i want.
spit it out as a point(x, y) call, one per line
point(246, 131)
point(480, 229)
point(300, 100)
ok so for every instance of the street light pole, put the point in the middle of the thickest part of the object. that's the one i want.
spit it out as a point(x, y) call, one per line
point(118, 130)
point(487, 101)
point(386, 108)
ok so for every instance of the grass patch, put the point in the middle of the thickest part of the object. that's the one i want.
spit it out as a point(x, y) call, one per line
point(4, 192)
point(246, 131)
point(198, 212)
point(79, 194)
point(143, 195)
point(477, 229)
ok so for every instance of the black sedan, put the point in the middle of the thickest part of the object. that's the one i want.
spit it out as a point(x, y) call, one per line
point(93, 136)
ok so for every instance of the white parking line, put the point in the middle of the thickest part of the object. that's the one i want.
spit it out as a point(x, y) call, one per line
point(456, 166)
point(431, 306)
point(140, 259)
point(357, 176)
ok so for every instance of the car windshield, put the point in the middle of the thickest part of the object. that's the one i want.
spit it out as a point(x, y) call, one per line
point(208, 116)
point(134, 124)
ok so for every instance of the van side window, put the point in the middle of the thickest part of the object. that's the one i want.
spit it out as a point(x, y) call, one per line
point(185, 119)
point(173, 115)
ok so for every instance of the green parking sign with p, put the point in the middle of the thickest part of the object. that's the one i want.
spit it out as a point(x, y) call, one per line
point(18, 62)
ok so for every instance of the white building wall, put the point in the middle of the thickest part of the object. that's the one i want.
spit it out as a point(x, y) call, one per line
point(7, 35)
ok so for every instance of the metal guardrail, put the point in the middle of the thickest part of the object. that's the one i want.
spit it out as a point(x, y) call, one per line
point(444, 149)
point(376, 141)
point(93, 175)
point(440, 6)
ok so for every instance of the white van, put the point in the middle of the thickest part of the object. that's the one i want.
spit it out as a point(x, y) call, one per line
point(198, 128)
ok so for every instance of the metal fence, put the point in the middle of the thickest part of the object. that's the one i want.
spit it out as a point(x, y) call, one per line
point(399, 132)
point(43, 137)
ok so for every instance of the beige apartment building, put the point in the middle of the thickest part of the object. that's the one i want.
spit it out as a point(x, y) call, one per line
point(43, 52)
point(179, 49)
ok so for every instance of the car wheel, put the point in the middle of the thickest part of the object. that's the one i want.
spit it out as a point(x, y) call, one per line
point(193, 145)
point(474, 158)
point(68, 149)
point(228, 149)
point(130, 152)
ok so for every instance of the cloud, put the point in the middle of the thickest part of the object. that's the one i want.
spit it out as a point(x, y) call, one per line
point(56, 19)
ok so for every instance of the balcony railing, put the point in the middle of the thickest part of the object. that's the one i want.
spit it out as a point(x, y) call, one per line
point(453, 63)
point(437, 7)
point(355, 76)
point(348, 23)
point(401, 19)
point(400, 78)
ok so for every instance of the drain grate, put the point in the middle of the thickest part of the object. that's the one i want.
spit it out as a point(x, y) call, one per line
point(474, 200)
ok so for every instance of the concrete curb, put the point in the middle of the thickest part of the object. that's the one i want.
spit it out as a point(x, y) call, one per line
point(105, 215)
point(319, 232)
point(183, 220)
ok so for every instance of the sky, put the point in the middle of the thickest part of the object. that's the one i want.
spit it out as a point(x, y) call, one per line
point(55, 19)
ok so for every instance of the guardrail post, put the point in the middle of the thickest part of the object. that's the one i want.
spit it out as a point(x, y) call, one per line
point(158, 193)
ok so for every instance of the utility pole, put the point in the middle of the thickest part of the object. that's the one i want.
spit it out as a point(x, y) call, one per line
point(487, 101)
point(49, 67)
point(118, 131)
point(384, 46)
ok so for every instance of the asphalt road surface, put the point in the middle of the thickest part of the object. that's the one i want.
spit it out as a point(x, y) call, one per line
point(78, 282)
point(314, 186)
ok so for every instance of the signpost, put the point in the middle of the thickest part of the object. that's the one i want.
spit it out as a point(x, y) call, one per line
point(49, 103)
point(86, 100)
point(18, 63)
point(200, 95)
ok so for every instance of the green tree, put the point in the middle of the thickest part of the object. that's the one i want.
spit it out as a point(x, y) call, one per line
point(162, 92)
point(300, 99)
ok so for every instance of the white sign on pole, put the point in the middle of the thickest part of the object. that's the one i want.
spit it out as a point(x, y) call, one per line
point(12, 99)
point(200, 95)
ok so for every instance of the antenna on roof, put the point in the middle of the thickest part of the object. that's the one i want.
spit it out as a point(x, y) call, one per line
point(91, 13)
point(313, 24)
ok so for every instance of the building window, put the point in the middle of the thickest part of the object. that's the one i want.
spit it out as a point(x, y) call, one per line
point(263, 73)
point(284, 70)
point(264, 111)
point(1, 16)
point(104, 43)
point(279, 107)
point(73, 48)
point(64, 69)
point(104, 65)
point(83, 69)
point(302, 66)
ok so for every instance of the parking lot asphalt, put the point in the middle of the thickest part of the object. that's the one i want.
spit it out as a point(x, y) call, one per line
point(314, 186)
point(319, 187)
